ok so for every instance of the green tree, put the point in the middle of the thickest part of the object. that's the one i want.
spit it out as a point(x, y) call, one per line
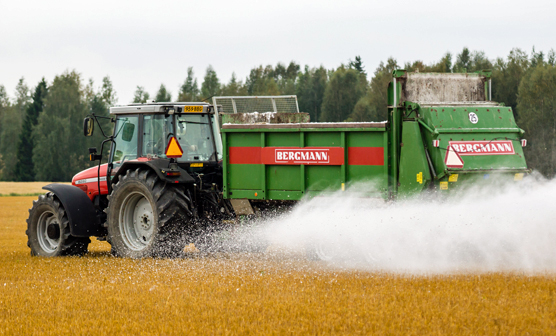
point(310, 91)
point(107, 92)
point(140, 96)
point(479, 61)
point(463, 61)
point(261, 82)
point(211, 84)
point(60, 148)
point(444, 65)
point(373, 106)
point(234, 87)
point(189, 91)
point(12, 121)
point(285, 77)
point(537, 106)
point(507, 75)
point(98, 103)
point(4, 106)
point(163, 95)
point(343, 91)
point(25, 169)
point(551, 58)
point(357, 65)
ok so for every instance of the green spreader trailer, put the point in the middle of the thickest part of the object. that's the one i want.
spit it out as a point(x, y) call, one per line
point(443, 132)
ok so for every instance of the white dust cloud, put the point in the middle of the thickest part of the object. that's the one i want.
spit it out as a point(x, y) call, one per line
point(495, 228)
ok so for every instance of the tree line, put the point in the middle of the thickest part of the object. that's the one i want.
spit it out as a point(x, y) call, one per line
point(41, 135)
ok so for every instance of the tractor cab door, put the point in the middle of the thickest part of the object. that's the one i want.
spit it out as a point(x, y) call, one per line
point(157, 128)
point(126, 135)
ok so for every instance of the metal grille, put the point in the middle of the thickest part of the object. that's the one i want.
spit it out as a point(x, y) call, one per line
point(248, 104)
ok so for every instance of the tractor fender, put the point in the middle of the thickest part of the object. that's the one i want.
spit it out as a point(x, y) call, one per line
point(82, 216)
point(157, 166)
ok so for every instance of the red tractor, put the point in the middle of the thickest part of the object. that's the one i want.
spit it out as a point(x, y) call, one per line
point(160, 190)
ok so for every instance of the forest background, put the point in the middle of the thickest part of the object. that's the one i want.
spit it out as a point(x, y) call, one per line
point(41, 127)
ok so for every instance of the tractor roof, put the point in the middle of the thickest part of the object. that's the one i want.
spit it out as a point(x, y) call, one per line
point(162, 107)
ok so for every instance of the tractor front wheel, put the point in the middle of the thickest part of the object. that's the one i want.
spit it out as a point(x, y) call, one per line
point(147, 217)
point(48, 230)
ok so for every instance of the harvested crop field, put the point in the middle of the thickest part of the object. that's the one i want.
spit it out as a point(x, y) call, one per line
point(22, 188)
point(251, 294)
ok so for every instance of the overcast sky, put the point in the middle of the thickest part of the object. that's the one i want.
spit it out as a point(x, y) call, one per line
point(152, 42)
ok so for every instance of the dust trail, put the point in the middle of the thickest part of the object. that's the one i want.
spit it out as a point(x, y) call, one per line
point(496, 228)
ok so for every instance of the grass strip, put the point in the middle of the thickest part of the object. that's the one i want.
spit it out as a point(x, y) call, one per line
point(17, 194)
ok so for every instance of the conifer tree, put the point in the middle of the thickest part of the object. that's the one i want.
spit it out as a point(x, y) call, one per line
point(140, 95)
point(163, 95)
point(12, 120)
point(211, 84)
point(24, 170)
point(189, 91)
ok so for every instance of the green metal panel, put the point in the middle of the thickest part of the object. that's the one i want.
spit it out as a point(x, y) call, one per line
point(283, 177)
point(447, 123)
point(457, 118)
point(414, 169)
point(365, 139)
point(249, 194)
point(244, 176)
point(292, 182)
point(282, 139)
point(243, 139)
point(319, 139)
point(323, 177)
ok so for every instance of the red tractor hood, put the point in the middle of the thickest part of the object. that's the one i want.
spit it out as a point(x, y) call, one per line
point(87, 180)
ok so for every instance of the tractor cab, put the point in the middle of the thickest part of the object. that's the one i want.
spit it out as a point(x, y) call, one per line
point(145, 131)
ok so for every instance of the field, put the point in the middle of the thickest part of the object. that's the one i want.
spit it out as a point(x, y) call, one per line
point(250, 294)
point(22, 188)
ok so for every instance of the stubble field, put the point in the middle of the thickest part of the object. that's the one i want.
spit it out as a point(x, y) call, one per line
point(268, 293)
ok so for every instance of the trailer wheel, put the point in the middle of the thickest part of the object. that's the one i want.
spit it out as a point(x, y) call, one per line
point(48, 230)
point(147, 217)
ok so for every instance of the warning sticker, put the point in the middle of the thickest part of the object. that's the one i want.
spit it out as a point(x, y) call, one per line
point(453, 160)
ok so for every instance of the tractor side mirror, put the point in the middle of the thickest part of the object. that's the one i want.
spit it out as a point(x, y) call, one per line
point(127, 132)
point(88, 126)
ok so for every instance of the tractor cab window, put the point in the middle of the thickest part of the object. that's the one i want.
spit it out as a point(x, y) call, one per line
point(194, 134)
point(156, 129)
point(125, 147)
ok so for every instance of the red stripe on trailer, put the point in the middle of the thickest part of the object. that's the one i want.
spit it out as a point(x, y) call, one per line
point(357, 156)
point(366, 156)
point(287, 155)
point(245, 155)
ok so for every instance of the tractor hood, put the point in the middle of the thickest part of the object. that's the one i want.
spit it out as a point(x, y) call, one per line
point(87, 180)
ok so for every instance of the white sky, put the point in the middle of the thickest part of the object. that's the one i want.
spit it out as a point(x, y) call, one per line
point(152, 42)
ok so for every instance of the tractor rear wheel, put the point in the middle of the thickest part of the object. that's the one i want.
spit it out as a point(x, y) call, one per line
point(48, 230)
point(147, 217)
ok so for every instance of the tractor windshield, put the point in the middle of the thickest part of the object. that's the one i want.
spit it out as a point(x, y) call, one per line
point(194, 134)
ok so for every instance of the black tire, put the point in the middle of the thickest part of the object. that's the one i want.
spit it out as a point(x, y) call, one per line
point(48, 230)
point(147, 217)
